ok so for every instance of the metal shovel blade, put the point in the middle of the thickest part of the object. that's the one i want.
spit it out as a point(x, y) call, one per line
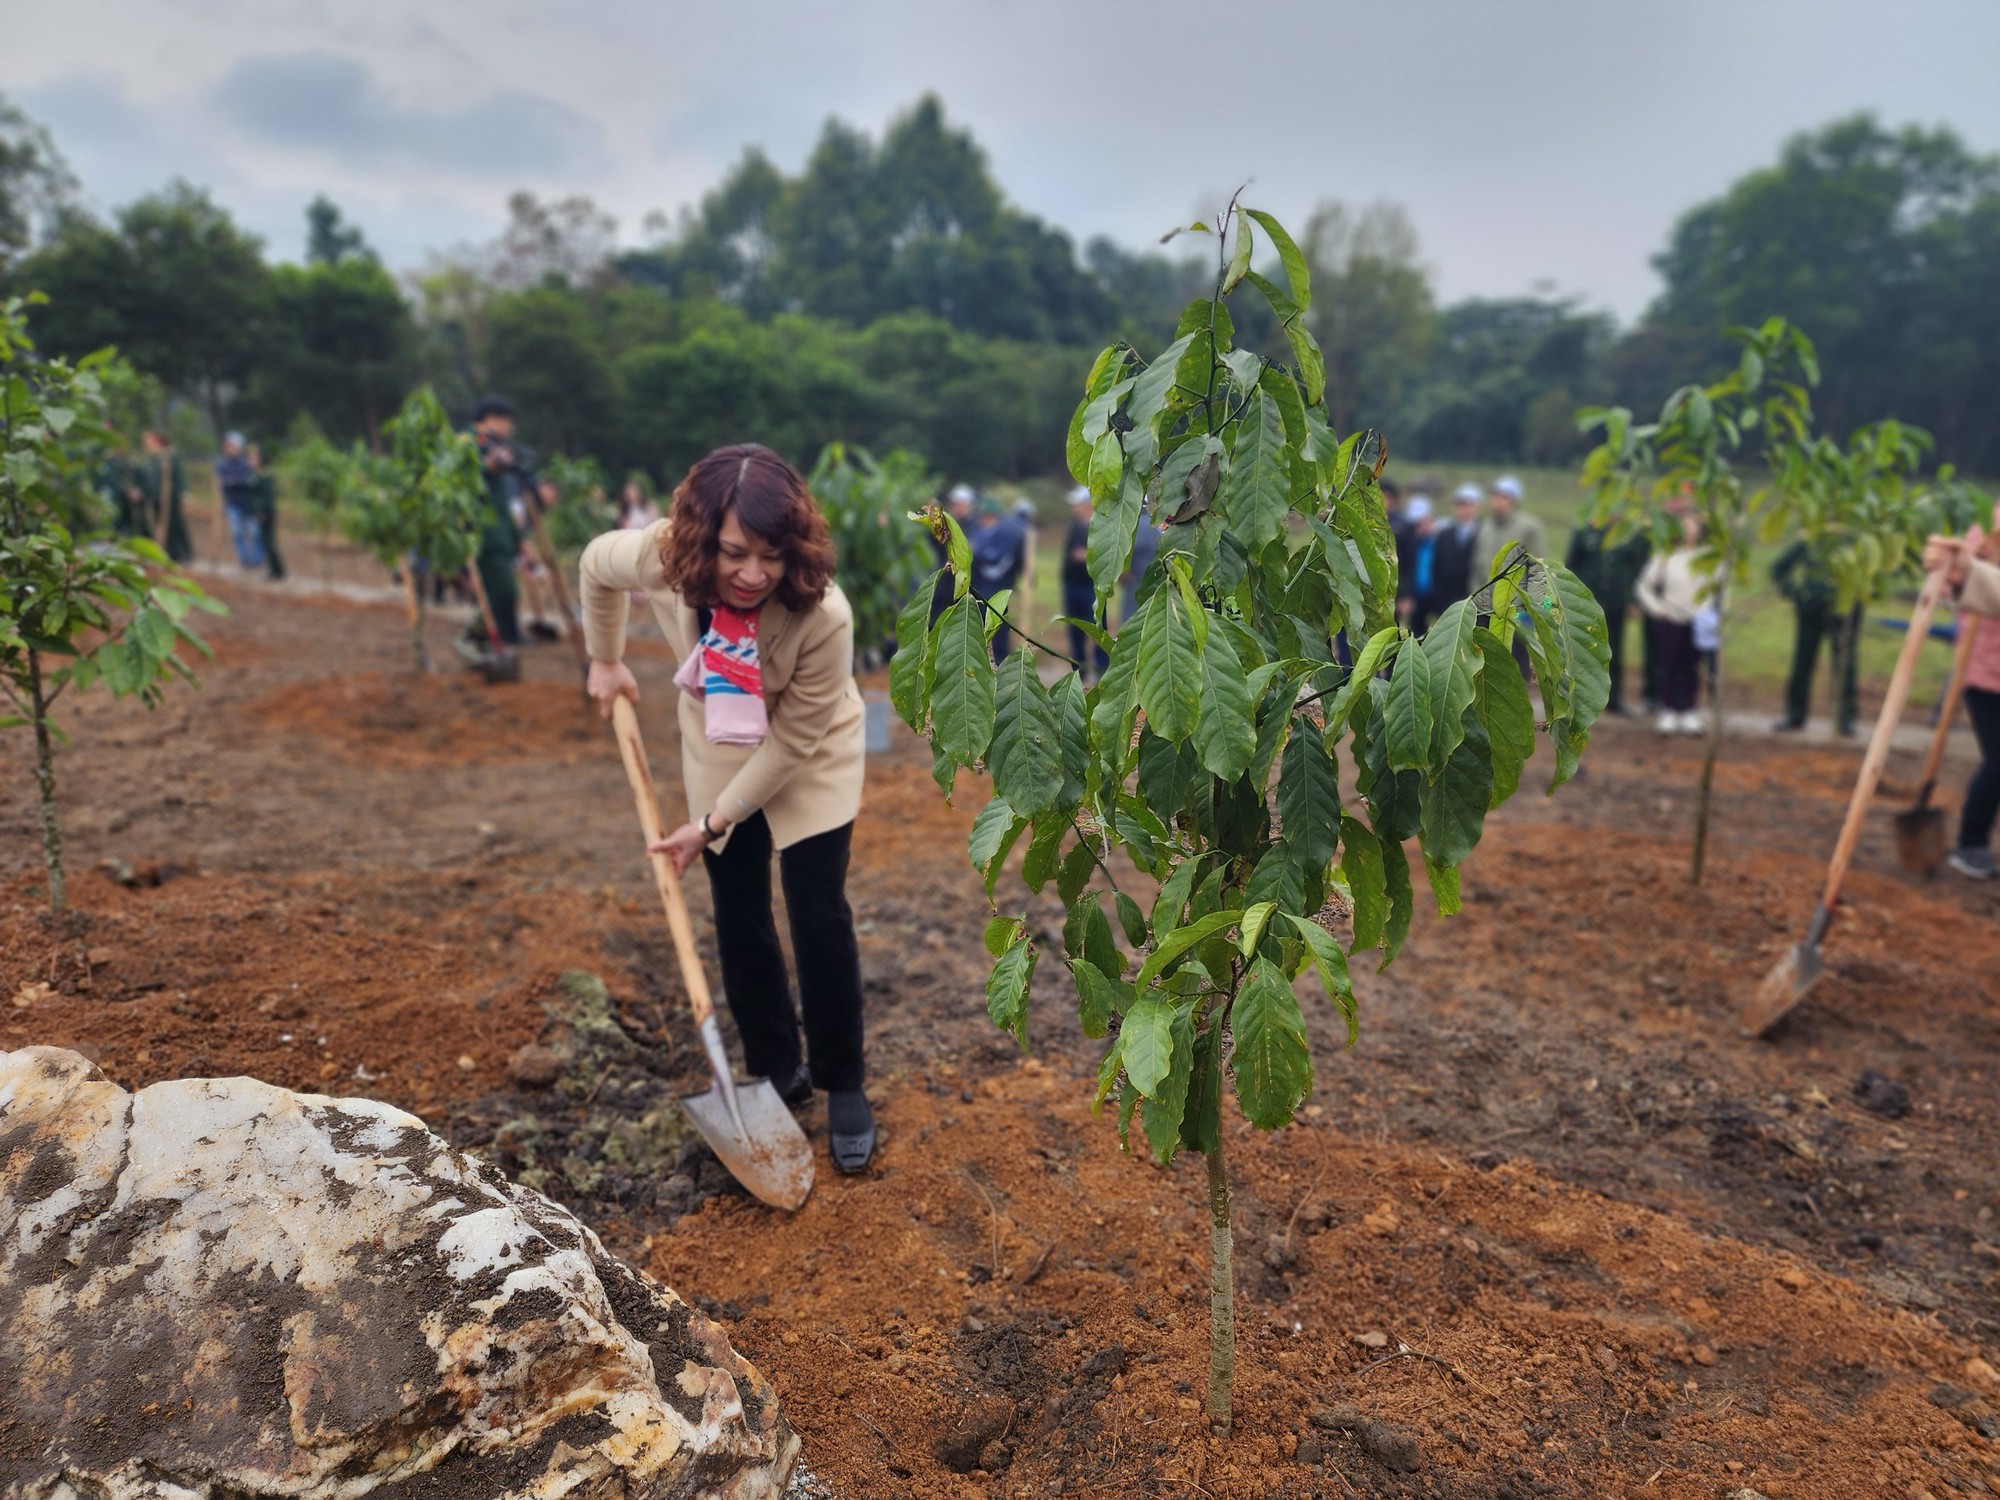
point(1787, 983)
point(500, 666)
point(769, 1155)
point(1920, 839)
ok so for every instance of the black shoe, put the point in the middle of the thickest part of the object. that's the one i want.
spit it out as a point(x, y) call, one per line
point(1788, 726)
point(850, 1129)
point(796, 1087)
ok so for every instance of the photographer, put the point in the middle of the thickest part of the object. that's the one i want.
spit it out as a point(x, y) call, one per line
point(507, 478)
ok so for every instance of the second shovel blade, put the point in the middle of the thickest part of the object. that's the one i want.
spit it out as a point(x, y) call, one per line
point(770, 1156)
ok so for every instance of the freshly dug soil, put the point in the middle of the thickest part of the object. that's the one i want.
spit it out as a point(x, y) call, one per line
point(336, 874)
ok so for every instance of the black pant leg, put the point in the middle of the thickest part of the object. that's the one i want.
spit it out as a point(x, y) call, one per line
point(1614, 626)
point(1982, 794)
point(1847, 648)
point(814, 872)
point(753, 964)
point(1809, 624)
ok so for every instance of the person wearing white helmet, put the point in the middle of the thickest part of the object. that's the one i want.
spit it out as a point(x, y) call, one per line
point(1414, 575)
point(1504, 524)
point(960, 500)
point(1079, 589)
point(1450, 573)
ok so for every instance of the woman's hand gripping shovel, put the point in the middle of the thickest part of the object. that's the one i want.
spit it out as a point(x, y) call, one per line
point(1920, 830)
point(746, 1124)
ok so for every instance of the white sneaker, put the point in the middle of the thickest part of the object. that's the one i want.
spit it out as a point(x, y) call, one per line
point(1668, 722)
point(1691, 723)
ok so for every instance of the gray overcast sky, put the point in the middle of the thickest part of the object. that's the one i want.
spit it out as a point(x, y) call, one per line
point(1534, 142)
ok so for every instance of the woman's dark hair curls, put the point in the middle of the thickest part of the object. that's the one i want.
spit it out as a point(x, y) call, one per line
point(771, 502)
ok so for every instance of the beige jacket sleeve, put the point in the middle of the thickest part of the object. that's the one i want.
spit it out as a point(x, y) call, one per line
point(811, 700)
point(1981, 594)
point(611, 568)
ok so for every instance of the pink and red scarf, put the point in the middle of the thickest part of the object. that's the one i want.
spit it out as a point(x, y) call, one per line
point(724, 672)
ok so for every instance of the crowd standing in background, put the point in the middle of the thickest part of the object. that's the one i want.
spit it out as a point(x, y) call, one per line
point(235, 480)
point(1802, 578)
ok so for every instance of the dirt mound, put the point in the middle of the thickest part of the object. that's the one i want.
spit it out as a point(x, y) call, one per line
point(1008, 1291)
point(411, 720)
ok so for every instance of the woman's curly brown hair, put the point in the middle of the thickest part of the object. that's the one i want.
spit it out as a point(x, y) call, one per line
point(771, 501)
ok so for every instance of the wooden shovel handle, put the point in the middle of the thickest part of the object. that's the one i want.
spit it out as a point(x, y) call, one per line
point(1893, 700)
point(633, 749)
point(553, 563)
point(485, 605)
point(1961, 658)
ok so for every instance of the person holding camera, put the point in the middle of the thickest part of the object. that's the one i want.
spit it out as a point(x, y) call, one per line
point(500, 538)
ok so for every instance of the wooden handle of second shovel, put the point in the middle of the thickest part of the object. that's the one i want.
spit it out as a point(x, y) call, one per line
point(1961, 657)
point(625, 720)
point(1885, 730)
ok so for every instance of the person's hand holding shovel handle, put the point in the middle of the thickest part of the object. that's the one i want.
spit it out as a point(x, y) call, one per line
point(607, 683)
point(1954, 554)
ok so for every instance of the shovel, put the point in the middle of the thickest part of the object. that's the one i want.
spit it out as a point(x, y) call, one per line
point(1801, 967)
point(553, 563)
point(498, 664)
point(1920, 836)
point(746, 1124)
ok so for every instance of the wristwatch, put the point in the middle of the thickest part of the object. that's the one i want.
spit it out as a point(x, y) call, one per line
point(709, 835)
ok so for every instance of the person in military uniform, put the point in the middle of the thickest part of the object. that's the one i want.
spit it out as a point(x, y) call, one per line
point(118, 488)
point(264, 506)
point(1610, 573)
point(500, 538)
point(1803, 579)
point(162, 484)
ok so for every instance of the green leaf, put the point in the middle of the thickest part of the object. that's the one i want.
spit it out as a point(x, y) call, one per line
point(1161, 1114)
point(989, 832)
point(1225, 737)
point(1131, 919)
point(1276, 880)
point(1454, 666)
point(1075, 871)
point(1169, 667)
point(1408, 712)
point(910, 667)
point(1454, 806)
point(1297, 277)
point(1367, 886)
point(1365, 667)
point(1444, 886)
point(1117, 699)
point(1239, 256)
point(1332, 966)
point(1509, 718)
point(1025, 756)
point(1201, 1116)
point(1000, 933)
point(1309, 796)
point(1103, 375)
point(1007, 987)
point(962, 689)
point(1044, 856)
point(1148, 1042)
point(1571, 649)
point(1113, 525)
point(1154, 384)
point(1173, 897)
point(1087, 935)
point(1097, 997)
point(1073, 734)
point(1257, 489)
point(1178, 941)
point(1273, 1064)
point(1402, 899)
point(958, 552)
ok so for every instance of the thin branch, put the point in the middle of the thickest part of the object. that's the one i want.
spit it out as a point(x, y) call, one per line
point(987, 605)
point(1084, 838)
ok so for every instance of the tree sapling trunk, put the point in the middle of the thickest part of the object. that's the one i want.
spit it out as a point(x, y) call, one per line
point(1221, 1295)
point(45, 781)
point(1713, 751)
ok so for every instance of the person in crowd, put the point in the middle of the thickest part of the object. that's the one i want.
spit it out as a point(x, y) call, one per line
point(500, 537)
point(1079, 590)
point(1413, 578)
point(959, 502)
point(234, 477)
point(162, 483)
point(1450, 577)
point(739, 577)
point(636, 510)
point(1610, 573)
point(1504, 524)
point(264, 506)
point(1971, 573)
point(1403, 528)
point(1145, 547)
point(1024, 591)
point(1672, 590)
point(999, 553)
point(1802, 577)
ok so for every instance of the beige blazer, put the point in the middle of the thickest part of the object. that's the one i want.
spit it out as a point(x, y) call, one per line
point(1981, 594)
point(806, 776)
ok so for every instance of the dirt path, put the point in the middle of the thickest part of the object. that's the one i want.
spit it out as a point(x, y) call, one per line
point(330, 872)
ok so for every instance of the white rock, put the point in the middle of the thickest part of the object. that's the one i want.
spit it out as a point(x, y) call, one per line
point(215, 1287)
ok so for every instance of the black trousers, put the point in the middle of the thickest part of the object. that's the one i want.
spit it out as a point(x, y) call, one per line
point(814, 873)
point(1982, 793)
point(1842, 633)
point(1680, 664)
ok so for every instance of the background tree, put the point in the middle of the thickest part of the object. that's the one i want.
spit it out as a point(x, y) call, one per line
point(882, 554)
point(1207, 753)
point(1374, 315)
point(330, 239)
point(35, 181)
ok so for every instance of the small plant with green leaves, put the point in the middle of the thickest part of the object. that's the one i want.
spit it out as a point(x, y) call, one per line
point(315, 474)
point(1187, 808)
point(883, 554)
point(74, 611)
point(418, 503)
point(584, 510)
point(1721, 449)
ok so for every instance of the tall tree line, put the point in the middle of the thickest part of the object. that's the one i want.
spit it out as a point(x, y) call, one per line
point(889, 294)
